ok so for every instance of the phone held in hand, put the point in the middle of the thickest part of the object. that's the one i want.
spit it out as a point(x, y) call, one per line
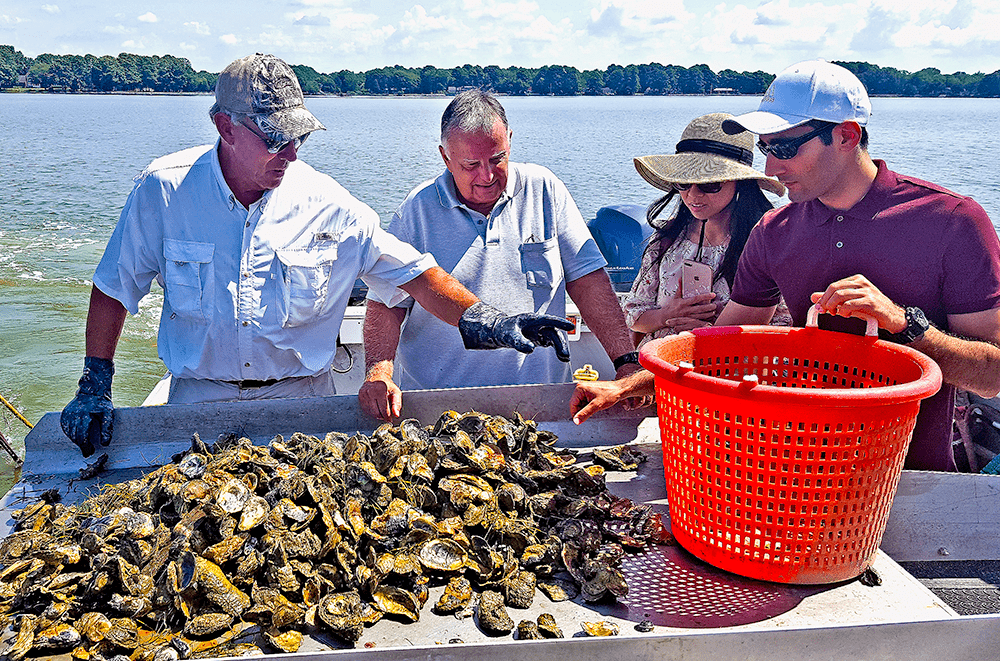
point(696, 278)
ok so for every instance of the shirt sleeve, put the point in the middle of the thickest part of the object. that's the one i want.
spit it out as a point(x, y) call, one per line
point(753, 285)
point(130, 261)
point(970, 261)
point(392, 262)
point(642, 296)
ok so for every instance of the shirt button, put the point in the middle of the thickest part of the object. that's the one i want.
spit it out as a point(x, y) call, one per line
point(246, 364)
point(840, 245)
point(246, 323)
point(840, 218)
point(248, 223)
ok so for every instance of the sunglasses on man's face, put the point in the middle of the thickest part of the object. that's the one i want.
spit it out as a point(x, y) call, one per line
point(275, 146)
point(786, 149)
point(707, 189)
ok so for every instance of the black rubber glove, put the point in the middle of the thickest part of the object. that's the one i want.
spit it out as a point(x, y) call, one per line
point(88, 418)
point(484, 327)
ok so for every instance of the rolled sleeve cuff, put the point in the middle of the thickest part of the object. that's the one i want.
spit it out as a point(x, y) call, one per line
point(387, 291)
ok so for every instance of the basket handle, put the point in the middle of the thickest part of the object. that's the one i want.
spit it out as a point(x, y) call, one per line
point(871, 325)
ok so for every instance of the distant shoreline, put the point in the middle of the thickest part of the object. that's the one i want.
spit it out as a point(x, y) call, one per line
point(24, 90)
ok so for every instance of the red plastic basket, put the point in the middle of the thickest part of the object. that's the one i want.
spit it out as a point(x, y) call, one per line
point(783, 446)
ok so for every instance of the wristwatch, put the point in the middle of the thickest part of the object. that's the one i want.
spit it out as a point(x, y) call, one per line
point(631, 357)
point(917, 324)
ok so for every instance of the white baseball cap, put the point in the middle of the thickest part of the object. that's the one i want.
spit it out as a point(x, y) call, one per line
point(809, 90)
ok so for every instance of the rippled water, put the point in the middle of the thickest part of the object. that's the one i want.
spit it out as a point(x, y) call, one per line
point(70, 160)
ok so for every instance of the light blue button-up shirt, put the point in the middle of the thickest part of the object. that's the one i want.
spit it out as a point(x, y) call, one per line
point(254, 293)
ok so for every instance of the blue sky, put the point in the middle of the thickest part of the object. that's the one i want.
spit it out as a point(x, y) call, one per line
point(331, 35)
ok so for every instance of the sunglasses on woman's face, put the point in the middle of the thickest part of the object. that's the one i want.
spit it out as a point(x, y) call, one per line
point(707, 189)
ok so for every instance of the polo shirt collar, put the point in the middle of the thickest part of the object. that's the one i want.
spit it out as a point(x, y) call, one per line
point(448, 196)
point(876, 199)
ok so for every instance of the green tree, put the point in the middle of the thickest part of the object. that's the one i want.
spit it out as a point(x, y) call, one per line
point(698, 79)
point(557, 80)
point(434, 80)
point(623, 81)
point(989, 86)
point(13, 63)
point(593, 82)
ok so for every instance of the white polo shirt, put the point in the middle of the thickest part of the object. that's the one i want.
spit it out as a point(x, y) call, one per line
point(517, 259)
point(254, 293)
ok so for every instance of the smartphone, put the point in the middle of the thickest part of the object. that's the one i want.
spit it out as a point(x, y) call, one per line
point(696, 278)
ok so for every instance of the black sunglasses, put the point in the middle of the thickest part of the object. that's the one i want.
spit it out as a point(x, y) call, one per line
point(707, 189)
point(275, 146)
point(786, 149)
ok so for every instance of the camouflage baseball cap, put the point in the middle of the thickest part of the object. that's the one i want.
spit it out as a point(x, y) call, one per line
point(266, 88)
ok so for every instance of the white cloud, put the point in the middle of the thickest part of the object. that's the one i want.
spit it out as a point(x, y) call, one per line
point(229, 39)
point(50, 9)
point(188, 47)
point(316, 20)
point(115, 29)
point(148, 17)
point(198, 28)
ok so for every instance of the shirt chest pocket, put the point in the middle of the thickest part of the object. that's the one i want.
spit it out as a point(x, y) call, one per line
point(186, 272)
point(305, 283)
point(540, 262)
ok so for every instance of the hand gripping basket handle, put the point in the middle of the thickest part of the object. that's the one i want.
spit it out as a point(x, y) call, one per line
point(871, 325)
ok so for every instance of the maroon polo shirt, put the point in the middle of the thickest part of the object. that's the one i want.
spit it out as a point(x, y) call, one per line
point(920, 244)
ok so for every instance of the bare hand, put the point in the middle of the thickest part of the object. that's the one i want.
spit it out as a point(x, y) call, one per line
point(857, 297)
point(700, 306)
point(380, 397)
point(678, 324)
point(589, 397)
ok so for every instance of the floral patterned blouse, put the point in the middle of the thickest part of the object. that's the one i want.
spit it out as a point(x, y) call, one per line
point(656, 283)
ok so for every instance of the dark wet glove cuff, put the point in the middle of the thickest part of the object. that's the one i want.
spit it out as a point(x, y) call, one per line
point(477, 326)
point(96, 378)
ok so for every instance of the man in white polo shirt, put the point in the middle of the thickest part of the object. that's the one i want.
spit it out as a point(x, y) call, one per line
point(512, 234)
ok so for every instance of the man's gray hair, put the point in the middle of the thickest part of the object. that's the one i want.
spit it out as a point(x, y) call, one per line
point(472, 111)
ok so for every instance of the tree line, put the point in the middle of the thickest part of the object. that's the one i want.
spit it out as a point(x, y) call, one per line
point(170, 74)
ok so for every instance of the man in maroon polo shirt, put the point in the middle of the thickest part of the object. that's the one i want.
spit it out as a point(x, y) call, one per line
point(859, 239)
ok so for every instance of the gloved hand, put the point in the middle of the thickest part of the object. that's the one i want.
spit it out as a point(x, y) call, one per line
point(88, 418)
point(484, 327)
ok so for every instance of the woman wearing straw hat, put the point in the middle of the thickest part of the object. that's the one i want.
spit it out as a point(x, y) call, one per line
point(721, 200)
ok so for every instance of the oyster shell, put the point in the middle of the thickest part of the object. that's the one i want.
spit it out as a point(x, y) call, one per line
point(528, 630)
point(59, 636)
point(233, 496)
point(284, 641)
point(457, 596)
point(442, 555)
point(341, 613)
point(548, 627)
point(208, 624)
point(519, 589)
point(397, 601)
point(93, 625)
point(491, 615)
point(603, 628)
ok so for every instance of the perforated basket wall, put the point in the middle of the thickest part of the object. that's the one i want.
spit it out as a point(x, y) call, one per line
point(787, 476)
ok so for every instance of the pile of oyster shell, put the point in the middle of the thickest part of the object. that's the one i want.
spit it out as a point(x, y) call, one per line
point(320, 536)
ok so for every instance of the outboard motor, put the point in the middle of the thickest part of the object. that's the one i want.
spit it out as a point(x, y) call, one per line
point(621, 232)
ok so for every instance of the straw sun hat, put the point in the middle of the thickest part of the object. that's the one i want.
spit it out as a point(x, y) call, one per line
point(706, 154)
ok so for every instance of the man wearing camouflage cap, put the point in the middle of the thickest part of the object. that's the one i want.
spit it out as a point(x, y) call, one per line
point(257, 253)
